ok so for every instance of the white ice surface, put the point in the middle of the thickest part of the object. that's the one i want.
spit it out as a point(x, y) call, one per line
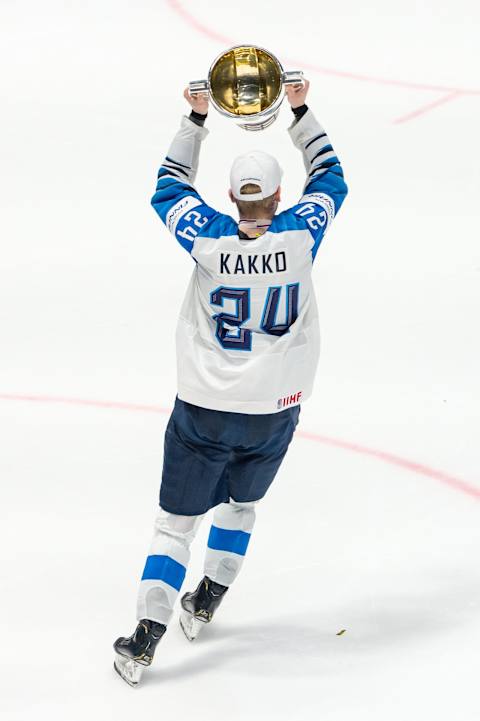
point(90, 285)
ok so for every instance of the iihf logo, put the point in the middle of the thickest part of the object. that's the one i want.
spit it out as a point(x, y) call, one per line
point(289, 400)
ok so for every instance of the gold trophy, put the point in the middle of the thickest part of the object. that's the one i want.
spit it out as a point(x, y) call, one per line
point(246, 83)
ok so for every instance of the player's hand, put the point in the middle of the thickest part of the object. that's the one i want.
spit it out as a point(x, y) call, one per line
point(198, 101)
point(297, 93)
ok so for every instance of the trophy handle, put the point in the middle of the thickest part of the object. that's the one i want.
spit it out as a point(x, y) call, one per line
point(198, 86)
point(292, 77)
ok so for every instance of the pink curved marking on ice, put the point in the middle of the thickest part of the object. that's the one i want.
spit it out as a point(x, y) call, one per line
point(117, 405)
point(456, 484)
point(429, 106)
point(448, 93)
point(178, 8)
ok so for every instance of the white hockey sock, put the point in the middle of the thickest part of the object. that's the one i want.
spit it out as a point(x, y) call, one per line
point(166, 565)
point(228, 540)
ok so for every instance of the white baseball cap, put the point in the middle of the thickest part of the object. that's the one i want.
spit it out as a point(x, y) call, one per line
point(255, 167)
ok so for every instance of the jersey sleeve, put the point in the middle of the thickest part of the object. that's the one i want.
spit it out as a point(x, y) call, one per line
point(325, 188)
point(176, 200)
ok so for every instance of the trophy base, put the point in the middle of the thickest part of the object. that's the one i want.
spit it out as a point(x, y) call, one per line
point(259, 125)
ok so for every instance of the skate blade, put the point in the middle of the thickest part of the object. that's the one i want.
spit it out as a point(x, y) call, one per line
point(128, 669)
point(191, 626)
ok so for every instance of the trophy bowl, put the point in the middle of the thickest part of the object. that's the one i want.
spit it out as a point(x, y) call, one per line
point(246, 83)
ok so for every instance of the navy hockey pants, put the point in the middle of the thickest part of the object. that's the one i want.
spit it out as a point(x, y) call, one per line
point(211, 456)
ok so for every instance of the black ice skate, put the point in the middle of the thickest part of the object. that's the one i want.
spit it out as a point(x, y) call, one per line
point(136, 651)
point(200, 605)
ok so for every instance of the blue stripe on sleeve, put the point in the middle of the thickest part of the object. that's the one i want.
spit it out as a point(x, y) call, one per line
point(324, 150)
point(233, 541)
point(330, 163)
point(170, 160)
point(176, 169)
point(163, 171)
point(317, 137)
point(173, 183)
point(164, 568)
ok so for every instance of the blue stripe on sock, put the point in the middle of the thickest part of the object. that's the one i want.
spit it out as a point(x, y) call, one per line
point(164, 568)
point(233, 541)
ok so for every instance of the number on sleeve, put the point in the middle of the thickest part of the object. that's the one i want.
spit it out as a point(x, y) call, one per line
point(314, 214)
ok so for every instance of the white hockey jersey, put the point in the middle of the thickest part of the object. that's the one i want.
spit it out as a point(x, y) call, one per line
point(248, 335)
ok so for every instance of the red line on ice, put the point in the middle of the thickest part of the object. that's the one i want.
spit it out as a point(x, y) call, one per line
point(426, 108)
point(117, 405)
point(456, 484)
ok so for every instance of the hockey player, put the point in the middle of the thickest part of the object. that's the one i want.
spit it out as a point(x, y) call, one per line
point(247, 351)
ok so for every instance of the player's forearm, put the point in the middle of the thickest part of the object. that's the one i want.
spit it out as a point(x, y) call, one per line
point(182, 158)
point(324, 171)
point(311, 139)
